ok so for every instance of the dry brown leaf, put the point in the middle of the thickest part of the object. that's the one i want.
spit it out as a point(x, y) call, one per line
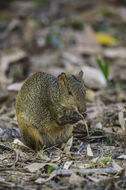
point(56, 159)
point(115, 53)
point(122, 12)
point(35, 166)
point(82, 165)
point(105, 39)
point(122, 120)
point(93, 78)
point(43, 156)
point(123, 156)
point(86, 42)
point(67, 164)
point(86, 50)
point(90, 95)
point(40, 180)
point(68, 145)
point(94, 178)
point(88, 37)
point(117, 167)
point(98, 125)
point(75, 179)
point(6, 59)
point(21, 145)
point(89, 151)
point(18, 142)
point(94, 160)
point(69, 57)
point(15, 86)
point(102, 179)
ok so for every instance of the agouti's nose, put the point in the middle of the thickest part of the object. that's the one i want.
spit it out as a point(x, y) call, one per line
point(85, 115)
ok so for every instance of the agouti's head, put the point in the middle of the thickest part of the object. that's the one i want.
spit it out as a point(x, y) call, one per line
point(72, 91)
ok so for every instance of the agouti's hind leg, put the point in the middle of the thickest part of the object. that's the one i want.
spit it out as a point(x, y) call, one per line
point(30, 135)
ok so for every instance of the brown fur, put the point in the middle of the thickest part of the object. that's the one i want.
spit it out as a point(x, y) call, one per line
point(44, 108)
point(51, 134)
point(31, 136)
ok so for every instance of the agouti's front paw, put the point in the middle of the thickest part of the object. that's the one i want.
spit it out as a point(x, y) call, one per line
point(76, 117)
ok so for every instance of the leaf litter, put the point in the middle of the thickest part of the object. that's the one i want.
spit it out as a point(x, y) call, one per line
point(34, 39)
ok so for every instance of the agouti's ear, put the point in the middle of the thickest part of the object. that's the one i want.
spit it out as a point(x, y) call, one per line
point(62, 78)
point(80, 74)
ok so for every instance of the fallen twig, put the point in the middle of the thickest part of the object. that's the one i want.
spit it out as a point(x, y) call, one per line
point(63, 172)
point(15, 169)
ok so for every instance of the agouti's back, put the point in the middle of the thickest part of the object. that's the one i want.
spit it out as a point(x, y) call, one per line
point(33, 98)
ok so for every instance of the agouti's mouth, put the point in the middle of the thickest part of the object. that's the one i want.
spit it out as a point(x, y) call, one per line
point(83, 112)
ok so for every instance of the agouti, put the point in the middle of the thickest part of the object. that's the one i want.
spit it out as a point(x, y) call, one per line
point(46, 108)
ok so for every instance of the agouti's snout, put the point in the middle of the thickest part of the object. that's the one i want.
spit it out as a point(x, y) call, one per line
point(81, 110)
point(85, 115)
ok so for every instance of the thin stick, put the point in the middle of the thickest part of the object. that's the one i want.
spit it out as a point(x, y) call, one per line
point(85, 123)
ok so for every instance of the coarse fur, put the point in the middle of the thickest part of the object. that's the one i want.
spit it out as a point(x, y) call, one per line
point(45, 108)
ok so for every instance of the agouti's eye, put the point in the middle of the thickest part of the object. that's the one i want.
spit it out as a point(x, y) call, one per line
point(70, 93)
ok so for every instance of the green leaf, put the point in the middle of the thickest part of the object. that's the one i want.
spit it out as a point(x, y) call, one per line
point(4, 127)
point(104, 67)
point(1, 18)
point(50, 169)
point(100, 64)
point(105, 159)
